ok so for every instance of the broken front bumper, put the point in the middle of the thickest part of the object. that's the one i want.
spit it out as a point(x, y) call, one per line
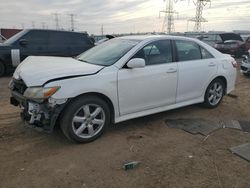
point(38, 115)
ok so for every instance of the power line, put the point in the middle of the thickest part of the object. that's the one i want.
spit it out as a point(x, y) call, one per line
point(198, 19)
point(33, 24)
point(168, 23)
point(72, 21)
point(43, 25)
point(102, 30)
point(56, 20)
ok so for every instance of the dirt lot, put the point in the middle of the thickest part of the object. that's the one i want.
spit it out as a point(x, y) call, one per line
point(32, 159)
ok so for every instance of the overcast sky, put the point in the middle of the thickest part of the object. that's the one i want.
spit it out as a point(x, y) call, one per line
point(122, 16)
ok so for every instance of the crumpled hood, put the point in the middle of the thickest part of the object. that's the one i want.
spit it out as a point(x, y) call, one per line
point(36, 70)
point(230, 36)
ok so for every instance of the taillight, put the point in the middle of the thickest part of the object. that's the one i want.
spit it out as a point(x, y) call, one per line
point(234, 63)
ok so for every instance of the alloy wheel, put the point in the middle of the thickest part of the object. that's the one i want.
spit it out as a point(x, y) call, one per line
point(215, 93)
point(88, 121)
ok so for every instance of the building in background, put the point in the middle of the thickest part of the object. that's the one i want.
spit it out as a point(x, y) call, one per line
point(7, 33)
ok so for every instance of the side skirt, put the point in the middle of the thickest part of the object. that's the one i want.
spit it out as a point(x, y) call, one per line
point(157, 110)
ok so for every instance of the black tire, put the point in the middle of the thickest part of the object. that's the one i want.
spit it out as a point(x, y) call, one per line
point(66, 121)
point(207, 103)
point(2, 69)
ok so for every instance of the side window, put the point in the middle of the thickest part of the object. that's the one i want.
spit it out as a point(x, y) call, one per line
point(158, 52)
point(188, 50)
point(36, 39)
point(59, 39)
point(151, 50)
point(205, 54)
point(77, 39)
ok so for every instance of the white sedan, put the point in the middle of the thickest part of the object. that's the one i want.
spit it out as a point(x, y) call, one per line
point(121, 79)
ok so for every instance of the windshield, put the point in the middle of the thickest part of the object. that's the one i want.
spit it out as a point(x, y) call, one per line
point(108, 53)
point(14, 38)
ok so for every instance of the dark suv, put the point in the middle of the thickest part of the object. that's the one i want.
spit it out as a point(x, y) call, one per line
point(41, 43)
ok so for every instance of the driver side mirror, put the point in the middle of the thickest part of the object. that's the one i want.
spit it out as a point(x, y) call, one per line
point(136, 63)
point(23, 42)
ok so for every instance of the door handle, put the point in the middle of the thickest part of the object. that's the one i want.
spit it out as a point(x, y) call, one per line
point(211, 64)
point(171, 70)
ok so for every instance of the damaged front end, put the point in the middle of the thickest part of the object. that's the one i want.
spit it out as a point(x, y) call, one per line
point(39, 110)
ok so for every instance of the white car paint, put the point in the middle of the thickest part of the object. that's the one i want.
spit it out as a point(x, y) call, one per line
point(36, 70)
point(139, 89)
point(133, 92)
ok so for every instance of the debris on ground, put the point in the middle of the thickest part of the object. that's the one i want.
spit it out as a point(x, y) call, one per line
point(233, 96)
point(194, 126)
point(128, 165)
point(231, 124)
point(205, 127)
point(242, 151)
point(245, 126)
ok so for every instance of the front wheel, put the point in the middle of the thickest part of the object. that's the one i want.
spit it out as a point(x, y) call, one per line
point(214, 93)
point(85, 119)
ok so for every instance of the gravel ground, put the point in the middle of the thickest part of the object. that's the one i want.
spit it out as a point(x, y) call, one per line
point(169, 157)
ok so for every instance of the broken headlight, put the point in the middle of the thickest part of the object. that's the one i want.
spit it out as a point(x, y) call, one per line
point(40, 92)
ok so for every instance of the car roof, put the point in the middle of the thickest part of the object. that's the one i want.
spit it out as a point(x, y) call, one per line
point(53, 30)
point(153, 37)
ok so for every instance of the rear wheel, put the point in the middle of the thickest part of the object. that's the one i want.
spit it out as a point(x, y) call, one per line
point(214, 93)
point(85, 119)
point(2, 68)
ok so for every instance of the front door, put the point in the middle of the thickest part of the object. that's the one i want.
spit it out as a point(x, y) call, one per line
point(152, 86)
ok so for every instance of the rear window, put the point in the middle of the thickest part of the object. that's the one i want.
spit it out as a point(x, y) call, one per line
point(79, 39)
point(59, 38)
point(188, 50)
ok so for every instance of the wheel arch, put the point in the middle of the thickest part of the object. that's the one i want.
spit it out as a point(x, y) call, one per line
point(222, 78)
point(100, 95)
point(105, 98)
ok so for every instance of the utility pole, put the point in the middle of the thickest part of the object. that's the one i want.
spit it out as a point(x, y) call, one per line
point(102, 30)
point(43, 25)
point(33, 24)
point(56, 20)
point(169, 17)
point(198, 19)
point(72, 21)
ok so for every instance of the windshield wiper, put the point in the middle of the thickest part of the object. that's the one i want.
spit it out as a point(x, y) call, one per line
point(84, 61)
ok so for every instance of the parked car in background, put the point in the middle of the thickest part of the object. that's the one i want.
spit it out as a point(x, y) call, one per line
point(107, 37)
point(34, 42)
point(231, 44)
point(120, 79)
point(245, 64)
point(247, 43)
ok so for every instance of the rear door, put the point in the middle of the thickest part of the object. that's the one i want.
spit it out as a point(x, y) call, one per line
point(152, 86)
point(196, 67)
point(59, 44)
